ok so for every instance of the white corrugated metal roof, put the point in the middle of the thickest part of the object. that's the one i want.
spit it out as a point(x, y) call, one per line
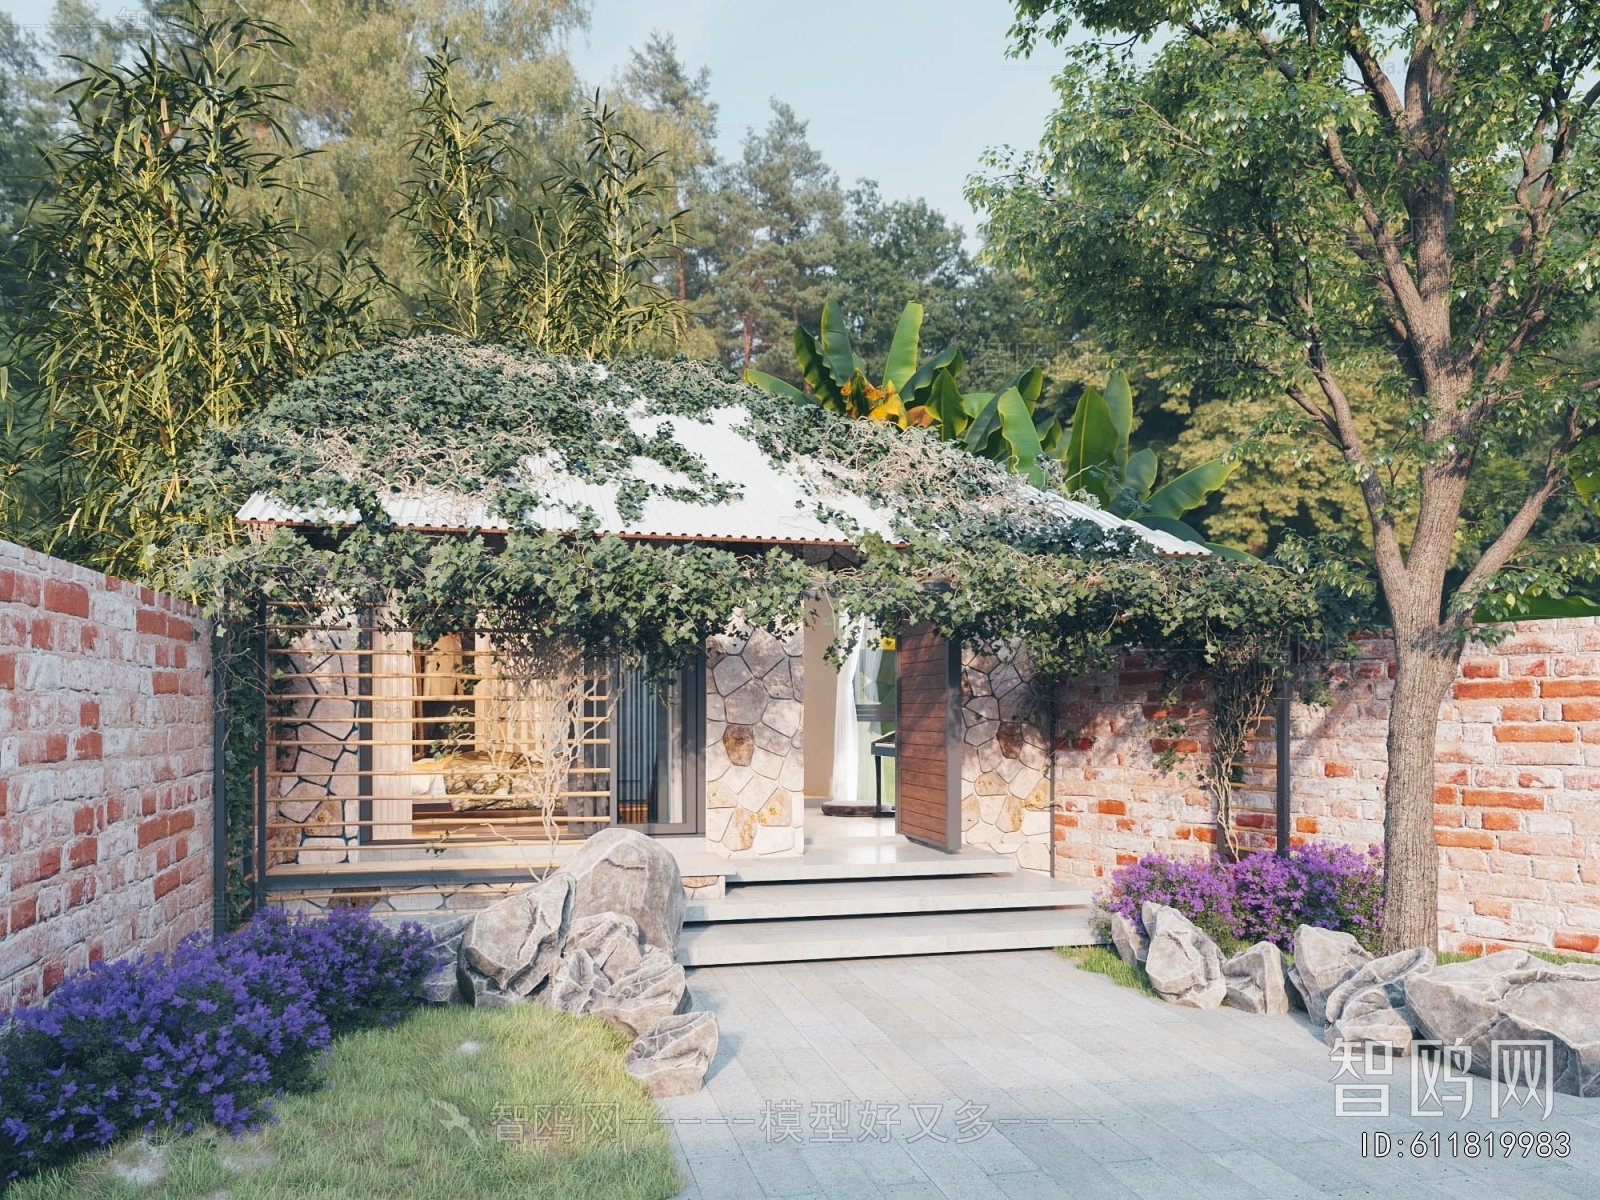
point(770, 502)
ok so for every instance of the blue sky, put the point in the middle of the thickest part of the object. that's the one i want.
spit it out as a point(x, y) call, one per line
point(908, 92)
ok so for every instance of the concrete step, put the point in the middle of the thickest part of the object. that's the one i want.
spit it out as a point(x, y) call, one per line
point(857, 858)
point(856, 898)
point(814, 939)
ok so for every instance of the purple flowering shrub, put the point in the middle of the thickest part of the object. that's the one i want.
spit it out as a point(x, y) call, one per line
point(1263, 896)
point(208, 1035)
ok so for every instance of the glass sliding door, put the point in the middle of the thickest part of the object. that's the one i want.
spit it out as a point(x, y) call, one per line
point(656, 730)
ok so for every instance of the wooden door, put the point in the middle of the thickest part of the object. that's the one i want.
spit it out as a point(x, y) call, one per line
point(928, 741)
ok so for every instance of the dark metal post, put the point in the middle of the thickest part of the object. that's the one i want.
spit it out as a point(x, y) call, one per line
point(264, 681)
point(219, 785)
point(1281, 728)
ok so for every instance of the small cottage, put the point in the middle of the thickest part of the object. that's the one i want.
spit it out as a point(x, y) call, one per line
point(426, 518)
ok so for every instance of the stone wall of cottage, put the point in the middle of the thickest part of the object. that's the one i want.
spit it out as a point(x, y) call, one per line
point(105, 771)
point(1517, 798)
point(754, 756)
point(1005, 785)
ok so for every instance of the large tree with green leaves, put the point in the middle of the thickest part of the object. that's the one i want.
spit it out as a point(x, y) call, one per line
point(1315, 192)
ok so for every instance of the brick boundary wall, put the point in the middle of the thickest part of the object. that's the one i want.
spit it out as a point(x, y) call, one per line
point(1518, 781)
point(105, 771)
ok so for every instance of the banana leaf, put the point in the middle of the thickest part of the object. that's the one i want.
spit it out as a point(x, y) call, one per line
point(1091, 443)
point(1016, 427)
point(778, 387)
point(984, 432)
point(815, 370)
point(834, 338)
point(1140, 472)
point(1049, 431)
point(944, 401)
point(1119, 404)
point(1190, 489)
point(916, 388)
point(903, 350)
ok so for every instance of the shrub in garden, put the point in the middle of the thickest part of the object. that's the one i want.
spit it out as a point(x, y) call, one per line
point(208, 1035)
point(1263, 896)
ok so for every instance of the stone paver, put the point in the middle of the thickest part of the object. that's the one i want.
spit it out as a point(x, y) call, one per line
point(1017, 1075)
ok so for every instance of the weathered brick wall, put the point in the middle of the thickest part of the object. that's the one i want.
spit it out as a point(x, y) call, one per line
point(105, 771)
point(1518, 781)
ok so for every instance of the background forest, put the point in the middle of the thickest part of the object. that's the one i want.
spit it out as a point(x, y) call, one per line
point(746, 246)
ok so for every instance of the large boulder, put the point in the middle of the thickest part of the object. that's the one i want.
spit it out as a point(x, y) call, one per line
point(1512, 996)
point(672, 1059)
point(516, 943)
point(636, 1001)
point(576, 984)
point(1370, 1006)
point(1323, 959)
point(1184, 965)
point(440, 985)
point(612, 940)
point(1129, 940)
point(1254, 980)
point(623, 871)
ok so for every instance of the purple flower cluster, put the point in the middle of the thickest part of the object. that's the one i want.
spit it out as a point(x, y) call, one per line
point(208, 1035)
point(1263, 896)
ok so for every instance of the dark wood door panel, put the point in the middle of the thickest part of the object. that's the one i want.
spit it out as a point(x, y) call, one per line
point(928, 739)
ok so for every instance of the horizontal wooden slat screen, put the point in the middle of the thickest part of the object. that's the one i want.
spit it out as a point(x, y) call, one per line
point(928, 755)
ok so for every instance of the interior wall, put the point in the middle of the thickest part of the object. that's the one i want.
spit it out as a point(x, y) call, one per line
point(821, 696)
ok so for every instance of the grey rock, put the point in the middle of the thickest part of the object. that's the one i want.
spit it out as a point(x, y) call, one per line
point(1130, 942)
point(612, 940)
point(1512, 996)
point(478, 990)
point(517, 942)
point(1184, 965)
point(623, 871)
point(1324, 959)
point(672, 1059)
point(439, 986)
point(1370, 1006)
point(637, 1000)
point(577, 982)
point(1255, 982)
point(1297, 988)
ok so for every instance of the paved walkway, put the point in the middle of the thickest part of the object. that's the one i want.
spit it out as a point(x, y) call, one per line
point(1034, 1079)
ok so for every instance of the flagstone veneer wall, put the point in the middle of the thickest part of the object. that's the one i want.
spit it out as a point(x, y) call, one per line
point(754, 758)
point(1517, 801)
point(105, 771)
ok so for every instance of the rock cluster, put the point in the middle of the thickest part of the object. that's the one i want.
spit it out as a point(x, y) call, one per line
point(597, 937)
point(1358, 1000)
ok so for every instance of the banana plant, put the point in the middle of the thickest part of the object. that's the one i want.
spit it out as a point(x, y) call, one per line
point(1096, 458)
point(838, 378)
point(997, 425)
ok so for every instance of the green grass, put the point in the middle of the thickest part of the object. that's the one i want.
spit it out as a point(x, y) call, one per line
point(1102, 960)
point(1549, 956)
point(387, 1124)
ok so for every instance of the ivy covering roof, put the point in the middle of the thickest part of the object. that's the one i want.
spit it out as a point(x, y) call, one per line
point(439, 433)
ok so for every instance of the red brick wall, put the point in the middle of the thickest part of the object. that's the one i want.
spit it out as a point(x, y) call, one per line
point(1518, 774)
point(105, 771)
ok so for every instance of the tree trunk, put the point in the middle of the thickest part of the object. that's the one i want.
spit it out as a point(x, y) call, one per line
point(747, 339)
point(1426, 667)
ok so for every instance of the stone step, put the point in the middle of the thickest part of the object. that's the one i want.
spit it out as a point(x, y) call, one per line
point(855, 858)
point(814, 939)
point(860, 898)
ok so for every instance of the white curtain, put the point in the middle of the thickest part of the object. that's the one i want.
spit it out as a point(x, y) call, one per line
point(846, 732)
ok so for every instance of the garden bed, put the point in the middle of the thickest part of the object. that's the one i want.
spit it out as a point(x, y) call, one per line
point(411, 1111)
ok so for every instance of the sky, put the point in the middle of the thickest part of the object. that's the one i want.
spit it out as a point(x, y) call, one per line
point(907, 92)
